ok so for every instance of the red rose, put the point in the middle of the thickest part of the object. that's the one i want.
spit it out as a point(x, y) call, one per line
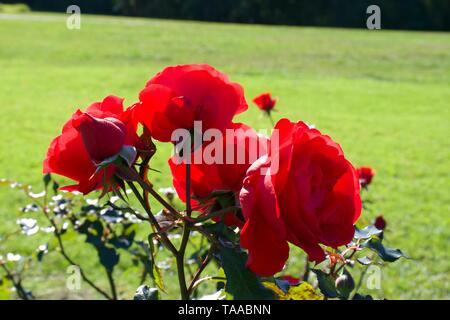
point(180, 95)
point(365, 175)
point(305, 193)
point(227, 176)
point(265, 102)
point(87, 139)
point(380, 223)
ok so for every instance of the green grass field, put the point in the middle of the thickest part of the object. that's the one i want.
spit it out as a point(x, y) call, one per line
point(383, 95)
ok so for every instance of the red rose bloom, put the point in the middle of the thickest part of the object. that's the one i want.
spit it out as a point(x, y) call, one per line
point(180, 95)
point(89, 138)
point(365, 175)
point(227, 176)
point(307, 194)
point(265, 102)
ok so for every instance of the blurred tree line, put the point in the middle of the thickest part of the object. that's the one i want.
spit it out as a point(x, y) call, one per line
point(395, 14)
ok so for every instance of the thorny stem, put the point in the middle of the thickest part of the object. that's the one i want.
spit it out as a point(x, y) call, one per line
point(180, 262)
point(188, 222)
point(215, 214)
point(307, 270)
point(163, 236)
point(185, 238)
point(270, 118)
point(205, 262)
point(354, 250)
point(112, 284)
point(155, 194)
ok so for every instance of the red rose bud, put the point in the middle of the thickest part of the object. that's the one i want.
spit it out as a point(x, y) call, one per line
point(96, 134)
point(380, 223)
point(265, 102)
point(365, 175)
point(345, 285)
point(102, 138)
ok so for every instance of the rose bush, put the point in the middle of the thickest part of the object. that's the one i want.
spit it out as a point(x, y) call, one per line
point(247, 198)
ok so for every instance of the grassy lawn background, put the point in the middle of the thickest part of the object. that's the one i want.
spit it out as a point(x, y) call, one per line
point(383, 95)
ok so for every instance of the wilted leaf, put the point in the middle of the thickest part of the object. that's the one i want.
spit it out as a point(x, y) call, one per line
point(302, 291)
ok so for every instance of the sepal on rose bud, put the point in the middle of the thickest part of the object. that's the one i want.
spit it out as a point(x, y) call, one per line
point(126, 153)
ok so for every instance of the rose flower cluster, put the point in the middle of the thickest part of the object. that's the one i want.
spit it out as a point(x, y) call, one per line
point(299, 190)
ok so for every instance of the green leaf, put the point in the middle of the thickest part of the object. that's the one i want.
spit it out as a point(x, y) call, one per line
point(367, 232)
point(55, 187)
point(109, 257)
point(93, 231)
point(358, 296)
point(144, 292)
point(155, 271)
point(326, 284)
point(364, 260)
point(241, 282)
point(387, 254)
point(220, 229)
point(345, 285)
point(47, 178)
